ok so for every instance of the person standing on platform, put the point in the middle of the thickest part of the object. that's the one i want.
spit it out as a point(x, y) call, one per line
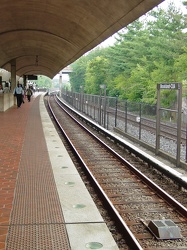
point(18, 92)
point(29, 93)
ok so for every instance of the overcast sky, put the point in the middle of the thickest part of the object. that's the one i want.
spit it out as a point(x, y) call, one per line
point(178, 3)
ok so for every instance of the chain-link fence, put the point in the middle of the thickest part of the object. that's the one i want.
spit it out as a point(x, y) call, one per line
point(136, 120)
point(110, 112)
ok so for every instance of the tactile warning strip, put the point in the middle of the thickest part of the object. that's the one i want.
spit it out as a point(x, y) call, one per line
point(41, 237)
point(36, 220)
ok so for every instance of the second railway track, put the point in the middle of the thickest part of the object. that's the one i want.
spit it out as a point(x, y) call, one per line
point(136, 200)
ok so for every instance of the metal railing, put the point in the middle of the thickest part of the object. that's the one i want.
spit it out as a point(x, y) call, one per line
point(127, 117)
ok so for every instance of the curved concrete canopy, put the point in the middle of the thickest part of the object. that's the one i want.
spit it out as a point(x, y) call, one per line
point(44, 36)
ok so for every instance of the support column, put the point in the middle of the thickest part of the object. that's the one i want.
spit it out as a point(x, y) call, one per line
point(60, 84)
point(25, 81)
point(13, 74)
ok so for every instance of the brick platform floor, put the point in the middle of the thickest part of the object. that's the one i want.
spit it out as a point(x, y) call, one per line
point(30, 211)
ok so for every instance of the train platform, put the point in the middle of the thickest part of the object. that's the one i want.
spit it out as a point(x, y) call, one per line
point(43, 202)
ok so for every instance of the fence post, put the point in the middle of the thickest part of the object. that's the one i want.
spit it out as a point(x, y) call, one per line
point(104, 106)
point(125, 116)
point(116, 110)
point(107, 115)
point(140, 114)
point(100, 102)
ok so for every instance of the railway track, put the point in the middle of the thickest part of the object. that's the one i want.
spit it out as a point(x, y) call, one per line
point(167, 130)
point(135, 200)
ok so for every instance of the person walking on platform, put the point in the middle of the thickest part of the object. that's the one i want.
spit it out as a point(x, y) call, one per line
point(18, 92)
point(29, 93)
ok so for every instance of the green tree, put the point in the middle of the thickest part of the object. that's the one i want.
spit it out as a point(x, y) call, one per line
point(146, 52)
point(96, 73)
point(180, 66)
point(185, 3)
point(128, 50)
point(77, 77)
point(44, 82)
point(166, 32)
point(138, 83)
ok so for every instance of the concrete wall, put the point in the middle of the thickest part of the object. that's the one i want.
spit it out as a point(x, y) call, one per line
point(6, 101)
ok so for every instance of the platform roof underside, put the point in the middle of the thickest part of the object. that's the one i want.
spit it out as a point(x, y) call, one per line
point(44, 36)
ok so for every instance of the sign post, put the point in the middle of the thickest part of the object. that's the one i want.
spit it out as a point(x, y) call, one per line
point(171, 86)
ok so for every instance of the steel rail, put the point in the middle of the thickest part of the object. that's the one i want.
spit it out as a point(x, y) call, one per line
point(131, 239)
point(144, 178)
point(181, 209)
point(170, 174)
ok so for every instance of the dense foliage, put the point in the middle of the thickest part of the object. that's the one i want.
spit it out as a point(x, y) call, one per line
point(150, 50)
point(43, 82)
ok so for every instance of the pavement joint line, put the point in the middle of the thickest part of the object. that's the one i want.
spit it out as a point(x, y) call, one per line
point(55, 223)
